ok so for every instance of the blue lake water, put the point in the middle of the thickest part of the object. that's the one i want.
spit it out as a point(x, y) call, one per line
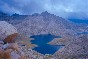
point(82, 33)
point(79, 21)
point(43, 47)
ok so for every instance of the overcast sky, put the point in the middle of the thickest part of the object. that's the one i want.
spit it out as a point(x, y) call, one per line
point(62, 8)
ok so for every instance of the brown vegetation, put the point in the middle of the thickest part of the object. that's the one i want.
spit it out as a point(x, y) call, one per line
point(10, 38)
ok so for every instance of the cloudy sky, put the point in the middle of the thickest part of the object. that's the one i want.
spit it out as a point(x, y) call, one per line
point(62, 8)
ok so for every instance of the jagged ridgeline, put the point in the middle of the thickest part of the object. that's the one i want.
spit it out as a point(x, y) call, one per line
point(43, 23)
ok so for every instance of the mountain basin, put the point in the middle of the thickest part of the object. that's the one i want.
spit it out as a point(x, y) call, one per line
point(42, 46)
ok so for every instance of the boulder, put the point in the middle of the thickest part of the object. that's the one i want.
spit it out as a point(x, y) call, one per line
point(7, 32)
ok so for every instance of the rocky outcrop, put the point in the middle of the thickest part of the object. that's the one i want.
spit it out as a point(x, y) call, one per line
point(10, 49)
point(7, 32)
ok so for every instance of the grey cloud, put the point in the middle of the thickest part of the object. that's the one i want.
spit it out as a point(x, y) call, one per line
point(62, 8)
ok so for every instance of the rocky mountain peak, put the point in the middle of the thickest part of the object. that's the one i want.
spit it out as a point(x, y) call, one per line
point(45, 13)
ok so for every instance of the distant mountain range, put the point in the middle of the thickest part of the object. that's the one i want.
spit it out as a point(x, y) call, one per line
point(42, 24)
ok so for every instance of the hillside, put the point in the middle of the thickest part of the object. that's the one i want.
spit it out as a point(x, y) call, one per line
point(46, 23)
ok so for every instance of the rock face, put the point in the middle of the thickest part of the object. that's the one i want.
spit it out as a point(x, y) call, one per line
point(45, 23)
point(42, 24)
point(7, 31)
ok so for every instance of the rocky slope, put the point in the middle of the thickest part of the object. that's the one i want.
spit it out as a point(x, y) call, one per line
point(44, 23)
point(21, 48)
